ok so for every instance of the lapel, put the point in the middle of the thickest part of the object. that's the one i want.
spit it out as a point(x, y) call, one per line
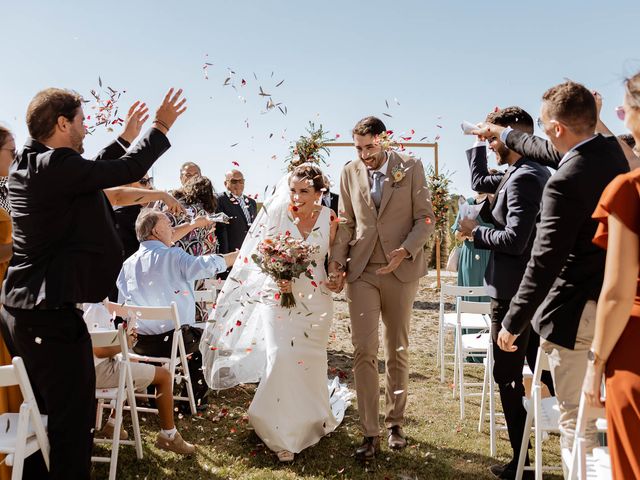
point(387, 185)
point(505, 179)
point(362, 179)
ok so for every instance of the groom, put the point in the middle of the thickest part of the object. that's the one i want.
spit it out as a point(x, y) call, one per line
point(378, 250)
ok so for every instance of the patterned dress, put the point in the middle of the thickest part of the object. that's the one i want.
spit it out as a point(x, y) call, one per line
point(200, 241)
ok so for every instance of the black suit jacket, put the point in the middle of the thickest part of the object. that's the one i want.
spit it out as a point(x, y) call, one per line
point(515, 209)
point(333, 203)
point(566, 269)
point(63, 228)
point(230, 236)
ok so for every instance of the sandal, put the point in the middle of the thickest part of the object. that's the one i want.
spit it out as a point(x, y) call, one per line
point(285, 456)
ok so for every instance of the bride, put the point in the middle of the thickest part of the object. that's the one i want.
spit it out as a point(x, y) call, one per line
point(252, 338)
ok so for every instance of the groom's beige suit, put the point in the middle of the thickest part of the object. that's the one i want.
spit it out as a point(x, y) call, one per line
point(365, 237)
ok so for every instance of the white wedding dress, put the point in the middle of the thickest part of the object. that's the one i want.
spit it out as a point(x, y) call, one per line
point(292, 407)
point(251, 338)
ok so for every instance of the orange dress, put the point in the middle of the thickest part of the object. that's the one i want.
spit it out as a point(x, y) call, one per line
point(622, 372)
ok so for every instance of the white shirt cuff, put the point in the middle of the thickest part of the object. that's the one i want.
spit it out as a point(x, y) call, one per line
point(505, 134)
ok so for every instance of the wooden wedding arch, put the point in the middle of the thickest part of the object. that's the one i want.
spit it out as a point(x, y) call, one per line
point(434, 146)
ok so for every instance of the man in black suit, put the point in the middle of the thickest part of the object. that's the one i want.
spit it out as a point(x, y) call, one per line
point(514, 208)
point(242, 211)
point(66, 251)
point(563, 278)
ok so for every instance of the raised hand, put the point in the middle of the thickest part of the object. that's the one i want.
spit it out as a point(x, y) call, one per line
point(487, 130)
point(172, 107)
point(137, 115)
point(173, 205)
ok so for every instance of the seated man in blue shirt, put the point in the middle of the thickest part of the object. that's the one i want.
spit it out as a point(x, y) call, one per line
point(158, 274)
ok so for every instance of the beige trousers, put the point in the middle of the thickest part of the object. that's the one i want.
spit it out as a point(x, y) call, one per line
point(568, 368)
point(369, 297)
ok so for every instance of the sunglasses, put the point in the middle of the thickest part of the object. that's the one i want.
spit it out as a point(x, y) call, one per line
point(236, 180)
point(146, 181)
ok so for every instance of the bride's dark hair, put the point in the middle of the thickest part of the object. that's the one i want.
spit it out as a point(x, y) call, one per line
point(311, 173)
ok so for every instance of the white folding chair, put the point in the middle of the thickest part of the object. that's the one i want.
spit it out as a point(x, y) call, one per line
point(177, 362)
point(22, 434)
point(489, 391)
point(207, 296)
point(116, 398)
point(473, 345)
point(583, 465)
point(447, 322)
point(544, 415)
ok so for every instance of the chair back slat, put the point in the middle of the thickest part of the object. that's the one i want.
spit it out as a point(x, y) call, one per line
point(483, 308)
point(461, 291)
point(139, 312)
point(23, 380)
point(208, 296)
point(8, 376)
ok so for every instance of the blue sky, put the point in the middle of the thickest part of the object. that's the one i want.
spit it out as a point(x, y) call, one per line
point(444, 62)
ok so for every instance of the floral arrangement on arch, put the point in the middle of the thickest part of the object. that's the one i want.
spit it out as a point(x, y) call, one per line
point(311, 148)
point(440, 198)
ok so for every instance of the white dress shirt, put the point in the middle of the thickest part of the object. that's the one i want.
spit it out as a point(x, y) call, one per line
point(157, 275)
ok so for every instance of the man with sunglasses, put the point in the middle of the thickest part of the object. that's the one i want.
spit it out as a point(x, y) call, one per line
point(563, 279)
point(241, 209)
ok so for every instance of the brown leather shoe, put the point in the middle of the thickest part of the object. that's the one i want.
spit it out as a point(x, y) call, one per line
point(370, 446)
point(397, 440)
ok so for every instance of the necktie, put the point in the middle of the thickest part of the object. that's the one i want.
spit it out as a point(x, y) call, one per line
point(376, 188)
point(244, 208)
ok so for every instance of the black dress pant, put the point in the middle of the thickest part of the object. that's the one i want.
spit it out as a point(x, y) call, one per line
point(160, 346)
point(507, 372)
point(56, 349)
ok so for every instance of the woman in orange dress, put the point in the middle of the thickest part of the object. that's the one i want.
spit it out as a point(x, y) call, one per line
point(614, 351)
point(10, 398)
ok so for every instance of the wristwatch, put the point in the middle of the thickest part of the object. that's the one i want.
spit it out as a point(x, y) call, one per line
point(594, 358)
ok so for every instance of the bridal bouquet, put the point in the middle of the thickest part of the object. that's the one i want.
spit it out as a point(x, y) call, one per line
point(285, 258)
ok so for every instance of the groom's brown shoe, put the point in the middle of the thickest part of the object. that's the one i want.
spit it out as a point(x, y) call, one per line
point(397, 440)
point(370, 446)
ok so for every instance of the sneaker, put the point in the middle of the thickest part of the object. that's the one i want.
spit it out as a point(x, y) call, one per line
point(107, 431)
point(176, 444)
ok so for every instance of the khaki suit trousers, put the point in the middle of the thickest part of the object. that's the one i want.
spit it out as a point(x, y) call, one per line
point(370, 297)
point(568, 368)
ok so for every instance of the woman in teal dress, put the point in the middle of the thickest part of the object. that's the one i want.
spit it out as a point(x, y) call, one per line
point(472, 261)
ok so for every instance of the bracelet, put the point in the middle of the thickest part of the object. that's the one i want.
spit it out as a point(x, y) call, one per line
point(161, 123)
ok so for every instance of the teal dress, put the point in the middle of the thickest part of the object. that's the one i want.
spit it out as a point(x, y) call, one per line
point(472, 262)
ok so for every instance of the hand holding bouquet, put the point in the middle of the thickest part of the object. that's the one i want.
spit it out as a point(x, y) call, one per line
point(285, 258)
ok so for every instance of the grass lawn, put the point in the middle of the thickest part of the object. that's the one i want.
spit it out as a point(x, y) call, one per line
point(440, 445)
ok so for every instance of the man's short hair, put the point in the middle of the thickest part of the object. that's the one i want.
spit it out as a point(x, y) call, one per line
point(146, 221)
point(190, 164)
point(514, 117)
point(45, 109)
point(572, 104)
point(369, 126)
point(628, 139)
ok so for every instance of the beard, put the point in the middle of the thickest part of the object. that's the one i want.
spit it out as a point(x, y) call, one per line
point(77, 142)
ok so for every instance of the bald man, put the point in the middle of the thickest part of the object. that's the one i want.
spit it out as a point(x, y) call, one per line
point(240, 208)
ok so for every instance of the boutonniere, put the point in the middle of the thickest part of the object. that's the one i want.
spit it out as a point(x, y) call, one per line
point(397, 173)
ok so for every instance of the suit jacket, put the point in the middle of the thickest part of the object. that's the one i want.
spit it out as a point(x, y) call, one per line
point(333, 203)
point(64, 232)
point(405, 218)
point(566, 269)
point(516, 206)
point(230, 236)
